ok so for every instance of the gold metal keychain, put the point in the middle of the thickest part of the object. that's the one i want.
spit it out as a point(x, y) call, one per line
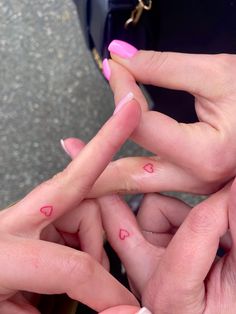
point(137, 12)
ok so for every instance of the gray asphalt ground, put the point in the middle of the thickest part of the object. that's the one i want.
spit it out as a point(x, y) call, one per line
point(49, 89)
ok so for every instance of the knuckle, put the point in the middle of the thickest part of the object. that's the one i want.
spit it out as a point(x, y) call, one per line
point(64, 179)
point(201, 219)
point(218, 164)
point(128, 184)
point(225, 68)
point(212, 172)
point(225, 62)
point(79, 268)
point(55, 180)
point(154, 63)
point(91, 206)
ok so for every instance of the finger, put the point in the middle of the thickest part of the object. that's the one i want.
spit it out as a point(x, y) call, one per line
point(138, 256)
point(194, 73)
point(170, 140)
point(47, 268)
point(159, 216)
point(9, 307)
point(51, 234)
point(142, 175)
point(65, 191)
point(86, 220)
point(146, 175)
point(192, 251)
point(124, 309)
point(120, 89)
point(232, 217)
point(86, 224)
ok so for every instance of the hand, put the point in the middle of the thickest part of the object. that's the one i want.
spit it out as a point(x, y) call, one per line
point(177, 273)
point(198, 157)
point(72, 147)
point(29, 263)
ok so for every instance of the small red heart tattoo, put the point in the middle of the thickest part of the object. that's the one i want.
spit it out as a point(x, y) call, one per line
point(149, 168)
point(46, 210)
point(123, 234)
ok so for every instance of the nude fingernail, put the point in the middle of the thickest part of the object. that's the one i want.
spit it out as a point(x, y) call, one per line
point(123, 102)
point(106, 69)
point(64, 147)
point(144, 310)
point(122, 49)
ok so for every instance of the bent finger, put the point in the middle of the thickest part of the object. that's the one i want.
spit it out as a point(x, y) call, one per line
point(169, 139)
point(86, 224)
point(159, 216)
point(195, 73)
point(122, 82)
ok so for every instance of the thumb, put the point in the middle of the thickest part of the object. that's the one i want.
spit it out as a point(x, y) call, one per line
point(194, 73)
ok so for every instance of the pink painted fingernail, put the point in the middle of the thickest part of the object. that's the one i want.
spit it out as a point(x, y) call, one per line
point(144, 310)
point(64, 147)
point(122, 49)
point(106, 69)
point(123, 102)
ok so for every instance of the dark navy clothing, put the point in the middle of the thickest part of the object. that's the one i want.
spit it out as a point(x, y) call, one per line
point(191, 26)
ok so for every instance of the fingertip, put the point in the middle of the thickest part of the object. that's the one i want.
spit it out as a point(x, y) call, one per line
point(122, 49)
point(73, 141)
point(130, 108)
point(72, 146)
point(63, 145)
point(125, 100)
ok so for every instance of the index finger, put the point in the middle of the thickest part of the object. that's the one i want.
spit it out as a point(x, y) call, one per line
point(198, 74)
point(65, 191)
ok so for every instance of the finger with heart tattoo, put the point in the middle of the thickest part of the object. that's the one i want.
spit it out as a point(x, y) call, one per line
point(35, 231)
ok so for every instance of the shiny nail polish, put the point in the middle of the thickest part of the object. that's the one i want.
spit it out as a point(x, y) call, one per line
point(106, 69)
point(64, 147)
point(123, 102)
point(122, 49)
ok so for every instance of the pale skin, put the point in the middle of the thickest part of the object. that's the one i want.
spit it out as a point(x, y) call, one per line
point(173, 170)
point(169, 251)
point(211, 142)
point(34, 232)
point(177, 272)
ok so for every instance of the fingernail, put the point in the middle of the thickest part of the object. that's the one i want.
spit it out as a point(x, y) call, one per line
point(144, 310)
point(64, 147)
point(122, 49)
point(123, 102)
point(106, 69)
